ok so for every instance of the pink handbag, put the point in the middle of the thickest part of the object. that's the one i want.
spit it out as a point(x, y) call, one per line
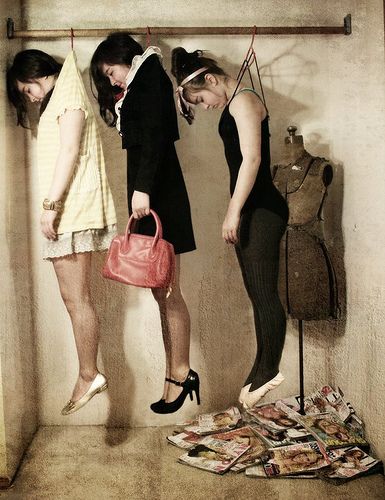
point(141, 260)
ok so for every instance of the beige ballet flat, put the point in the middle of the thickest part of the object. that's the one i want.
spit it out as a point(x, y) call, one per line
point(242, 394)
point(252, 398)
point(99, 384)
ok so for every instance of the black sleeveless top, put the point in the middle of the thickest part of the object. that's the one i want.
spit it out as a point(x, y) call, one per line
point(263, 194)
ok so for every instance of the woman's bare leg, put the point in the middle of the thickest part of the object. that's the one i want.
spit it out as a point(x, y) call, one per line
point(175, 321)
point(73, 273)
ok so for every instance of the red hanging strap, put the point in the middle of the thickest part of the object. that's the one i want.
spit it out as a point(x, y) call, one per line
point(250, 58)
point(148, 36)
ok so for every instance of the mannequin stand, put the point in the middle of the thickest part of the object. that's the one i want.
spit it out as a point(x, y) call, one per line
point(301, 376)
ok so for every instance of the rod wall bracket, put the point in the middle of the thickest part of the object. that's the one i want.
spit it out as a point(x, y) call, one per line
point(348, 24)
point(10, 28)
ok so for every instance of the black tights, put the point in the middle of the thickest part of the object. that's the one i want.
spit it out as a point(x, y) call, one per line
point(258, 255)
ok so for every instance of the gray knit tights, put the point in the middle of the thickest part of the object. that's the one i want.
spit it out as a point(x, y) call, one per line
point(258, 255)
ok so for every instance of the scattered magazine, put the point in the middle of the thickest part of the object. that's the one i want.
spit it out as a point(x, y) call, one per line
point(272, 440)
point(185, 440)
point(210, 423)
point(258, 471)
point(331, 430)
point(298, 433)
point(356, 425)
point(272, 418)
point(214, 455)
point(292, 402)
point(276, 441)
point(327, 400)
point(352, 464)
point(245, 435)
point(297, 458)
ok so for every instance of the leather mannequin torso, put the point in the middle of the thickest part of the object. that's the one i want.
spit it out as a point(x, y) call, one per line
point(307, 282)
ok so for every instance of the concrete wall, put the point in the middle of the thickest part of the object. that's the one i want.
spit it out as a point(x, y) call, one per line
point(18, 396)
point(332, 88)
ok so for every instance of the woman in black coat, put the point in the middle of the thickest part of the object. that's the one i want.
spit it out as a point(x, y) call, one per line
point(136, 95)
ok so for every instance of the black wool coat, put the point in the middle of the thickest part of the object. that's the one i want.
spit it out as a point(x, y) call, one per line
point(149, 128)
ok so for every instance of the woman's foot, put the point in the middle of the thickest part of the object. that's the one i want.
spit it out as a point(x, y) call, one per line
point(155, 406)
point(244, 391)
point(187, 387)
point(252, 397)
point(99, 384)
point(82, 385)
point(158, 405)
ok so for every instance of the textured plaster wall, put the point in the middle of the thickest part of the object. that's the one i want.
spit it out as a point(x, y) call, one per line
point(18, 404)
point(332, 88)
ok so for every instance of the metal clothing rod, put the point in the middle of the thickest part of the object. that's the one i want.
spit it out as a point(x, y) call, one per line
point(346, 29)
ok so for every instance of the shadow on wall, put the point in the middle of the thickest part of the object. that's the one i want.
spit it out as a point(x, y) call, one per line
point(20, 378)
point(320, 337)
point(111, 302)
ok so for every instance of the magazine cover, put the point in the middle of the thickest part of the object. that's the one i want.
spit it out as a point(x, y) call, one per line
point(214, 455)
point(272, 418)
point(245, 435)
point(356, 425)
point(272, 440)
point(353, 463)
point(292, 402)
point(294, 459)
point(299, 433)
point(259, 472)
point(185, 440)
point(327, 400)
point(210, 423)
point(331, 430)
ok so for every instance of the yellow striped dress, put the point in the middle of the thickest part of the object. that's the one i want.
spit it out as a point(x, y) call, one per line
point(87, 221)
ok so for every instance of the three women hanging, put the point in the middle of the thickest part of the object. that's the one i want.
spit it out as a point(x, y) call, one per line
point(135, 94)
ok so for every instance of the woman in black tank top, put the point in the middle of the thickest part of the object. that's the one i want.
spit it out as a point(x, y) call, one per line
point(257, 214)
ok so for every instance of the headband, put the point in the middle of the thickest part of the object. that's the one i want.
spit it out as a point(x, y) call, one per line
point(184, 106)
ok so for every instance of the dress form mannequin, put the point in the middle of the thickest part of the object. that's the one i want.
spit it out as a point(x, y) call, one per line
point(307, 281)
point(294, 147)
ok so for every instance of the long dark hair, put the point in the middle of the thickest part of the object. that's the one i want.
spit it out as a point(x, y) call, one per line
point(117, 48)
point(26, 67)
point(184, 63)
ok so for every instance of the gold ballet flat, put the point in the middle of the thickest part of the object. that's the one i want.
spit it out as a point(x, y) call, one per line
point(99, 384)
point(251, 398)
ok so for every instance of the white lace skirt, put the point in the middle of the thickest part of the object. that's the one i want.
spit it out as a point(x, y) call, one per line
point(90, 240)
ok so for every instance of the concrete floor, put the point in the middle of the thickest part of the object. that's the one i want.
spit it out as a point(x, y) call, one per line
point(92, 462)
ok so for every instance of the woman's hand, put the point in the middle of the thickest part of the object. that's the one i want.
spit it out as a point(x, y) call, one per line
point(47, 221)
point(230, 226)
point(140, 204)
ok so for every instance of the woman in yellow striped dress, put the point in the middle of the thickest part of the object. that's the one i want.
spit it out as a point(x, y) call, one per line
point(78, 216)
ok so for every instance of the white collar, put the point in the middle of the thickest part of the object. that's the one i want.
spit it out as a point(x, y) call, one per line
point(137, 62)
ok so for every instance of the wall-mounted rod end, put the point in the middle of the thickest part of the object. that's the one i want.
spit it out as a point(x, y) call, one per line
point(348, 24)
point(10, 28)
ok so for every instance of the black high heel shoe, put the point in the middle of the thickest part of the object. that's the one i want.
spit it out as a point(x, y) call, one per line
point(190, 385)
point(155, 405)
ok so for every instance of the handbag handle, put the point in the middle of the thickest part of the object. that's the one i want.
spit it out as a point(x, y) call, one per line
point(158, 232)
